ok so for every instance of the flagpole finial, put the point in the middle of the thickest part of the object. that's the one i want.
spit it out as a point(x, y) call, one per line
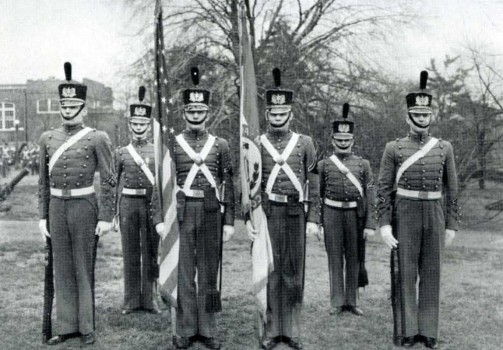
point(276, 74)
point(141, 93)
point(194, 74)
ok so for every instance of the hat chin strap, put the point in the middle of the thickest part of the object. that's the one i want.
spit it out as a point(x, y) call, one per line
point(75, 115)
point(140, 135)
point(195, 123)
point(416, 124)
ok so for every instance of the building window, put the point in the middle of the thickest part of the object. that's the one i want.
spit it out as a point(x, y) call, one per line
point(7, 116)
point(47, 106)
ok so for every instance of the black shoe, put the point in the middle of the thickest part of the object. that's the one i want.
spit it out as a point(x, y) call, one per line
point(61, 338)
point(154, 311)
point(127, 311)
point(337, 310)
point(430, 343)
point(355, 310)
point(88, 339)
point(295, 343)
point(181, 342)
point(211, 343)
point(268, 343)
point(408, 342)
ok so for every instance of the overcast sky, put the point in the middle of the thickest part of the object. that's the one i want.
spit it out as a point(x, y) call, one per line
point(37, 36)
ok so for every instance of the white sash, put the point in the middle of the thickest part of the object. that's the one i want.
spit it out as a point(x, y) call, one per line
point(141, 163)
point(285, 166)
point(415, 157)
point(66, 145)
point(195, 167)
point(348, 173)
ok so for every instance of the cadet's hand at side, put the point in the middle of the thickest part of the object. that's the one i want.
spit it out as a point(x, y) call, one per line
point(311, 229)
point(387, 237)
point(228, 232)
point(368, 232)
point(42, 226)
point(252, 232)
point(159, 228)
point(115, 223)
point(320, 233)
point(449, 236)
point(102, 228)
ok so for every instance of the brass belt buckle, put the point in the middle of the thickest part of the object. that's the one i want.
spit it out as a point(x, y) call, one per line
point(423, 195)
point(66, 192)
point(198, 193)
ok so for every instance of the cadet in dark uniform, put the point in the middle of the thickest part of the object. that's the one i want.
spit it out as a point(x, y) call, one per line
point(290, 182)
point(69, 157)
point(348, 195)
point(135, 168)
point(204, 175)
point(417, 174)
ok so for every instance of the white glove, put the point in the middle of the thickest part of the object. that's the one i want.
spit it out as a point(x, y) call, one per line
point(311, 229)
point(102, 228)
point(116, 223)
point(368, 232)
point(252, 232)
point(42, 226)
point(449, 236)
point(387, 236)
point(321, 233)
point(228, 232)
point(159, 228)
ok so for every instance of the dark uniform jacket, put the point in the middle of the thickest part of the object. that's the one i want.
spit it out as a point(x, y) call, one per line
point(76, 167)
point(303, 162)
point(218, 161)
point(131, 175)
point(435, 172)
point(336, 186)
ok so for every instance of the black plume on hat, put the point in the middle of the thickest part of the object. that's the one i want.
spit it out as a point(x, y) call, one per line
point(423, 79)
point(141, 93)
point(345, 110)
point(194, 74)
point(68, 71)
point(276, 74)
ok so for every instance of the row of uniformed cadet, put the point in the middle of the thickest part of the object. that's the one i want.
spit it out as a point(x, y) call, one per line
point(337, 193)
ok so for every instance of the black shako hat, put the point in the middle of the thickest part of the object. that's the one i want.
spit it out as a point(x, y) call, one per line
point(71, 93)
point(343, 128)
point(420, 101)
point(196, 99)
point(140, 112)
point(277, 99)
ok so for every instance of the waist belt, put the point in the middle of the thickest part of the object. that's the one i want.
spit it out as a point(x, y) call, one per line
point(77, 192)
point(194, 193)
point(337, 204)
point(283, 198)
point(134, 191)
point(418, 194)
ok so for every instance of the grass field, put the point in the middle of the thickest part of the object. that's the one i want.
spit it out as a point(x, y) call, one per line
point(471, 308)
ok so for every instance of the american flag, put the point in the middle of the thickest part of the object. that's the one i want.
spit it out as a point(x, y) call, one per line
point(251, 172)
point(165, 169)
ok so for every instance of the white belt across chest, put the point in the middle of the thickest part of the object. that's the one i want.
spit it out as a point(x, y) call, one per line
point(281, 164)
point(414, 158)
point(141, 163)
point(343, 169)
point(198, 165)
point(66, 145)
point(69, 193)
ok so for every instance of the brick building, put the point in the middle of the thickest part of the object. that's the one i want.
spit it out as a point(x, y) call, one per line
point(34, 107)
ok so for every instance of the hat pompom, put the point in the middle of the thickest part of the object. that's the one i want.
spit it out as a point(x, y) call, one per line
point(276, 74)
point(345, 110)
point(68, 71)
point(423, 79)
point(194, 74)
point(141, 93)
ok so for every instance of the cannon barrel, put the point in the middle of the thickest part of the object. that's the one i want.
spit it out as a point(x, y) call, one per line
point(4, 192)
